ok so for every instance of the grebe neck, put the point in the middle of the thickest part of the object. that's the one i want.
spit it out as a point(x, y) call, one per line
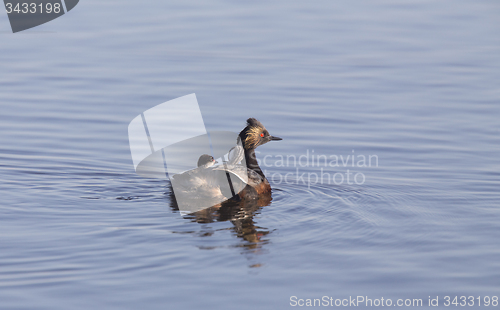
point(252, 163)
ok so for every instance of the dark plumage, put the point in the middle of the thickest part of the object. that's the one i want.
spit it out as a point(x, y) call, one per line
point(247, 182)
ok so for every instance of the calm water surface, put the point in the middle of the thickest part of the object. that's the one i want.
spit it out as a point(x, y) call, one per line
point(413, 84)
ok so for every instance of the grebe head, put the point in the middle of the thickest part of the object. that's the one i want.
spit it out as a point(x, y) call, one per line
point(255, 134)
point(206, 161)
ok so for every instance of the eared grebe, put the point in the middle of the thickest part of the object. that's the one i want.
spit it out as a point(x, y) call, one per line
point(198, 183)
point(206, 161)
point(205, 181)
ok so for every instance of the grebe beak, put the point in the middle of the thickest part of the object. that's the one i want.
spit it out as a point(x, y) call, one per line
point(275, 138)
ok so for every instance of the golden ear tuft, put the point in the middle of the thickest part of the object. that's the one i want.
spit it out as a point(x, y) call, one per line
point(253, 137)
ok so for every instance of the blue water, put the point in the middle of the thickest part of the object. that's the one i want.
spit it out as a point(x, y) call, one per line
point(414, 84)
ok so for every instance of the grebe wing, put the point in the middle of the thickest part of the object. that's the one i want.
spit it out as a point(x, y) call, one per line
point(235, 155)
point(237, 171)
point(189, 180)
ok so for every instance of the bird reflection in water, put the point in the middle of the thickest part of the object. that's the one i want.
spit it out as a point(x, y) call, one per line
point(240, 212)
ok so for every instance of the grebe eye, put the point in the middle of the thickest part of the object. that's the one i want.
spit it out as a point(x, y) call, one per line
point(262, 135)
